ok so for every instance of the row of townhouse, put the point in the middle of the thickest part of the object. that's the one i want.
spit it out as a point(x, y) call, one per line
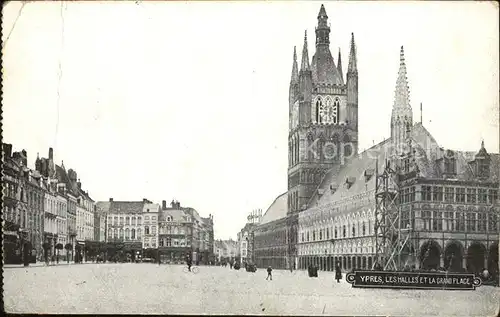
point(45, 205)
point(166, 233)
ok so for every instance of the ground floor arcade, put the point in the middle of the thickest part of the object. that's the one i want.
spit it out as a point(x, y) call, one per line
point(453, 257)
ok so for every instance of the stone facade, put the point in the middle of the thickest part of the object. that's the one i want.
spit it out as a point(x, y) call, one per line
point(124, 219)
point(175, 233)
point(448, 199)
point(225, 250)
point(150, 214)
point(246, 237)
point(448, 202)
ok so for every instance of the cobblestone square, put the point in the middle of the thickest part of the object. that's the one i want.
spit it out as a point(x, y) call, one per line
point(166, 289)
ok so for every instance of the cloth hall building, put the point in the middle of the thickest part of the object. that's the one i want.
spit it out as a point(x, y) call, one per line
point(448, 198)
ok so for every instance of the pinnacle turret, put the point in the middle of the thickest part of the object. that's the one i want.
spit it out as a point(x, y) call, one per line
point(295, 70)
point(305, 55)
point(402, 93)
point(352, 67)
point(339, 66)
point(322, 17)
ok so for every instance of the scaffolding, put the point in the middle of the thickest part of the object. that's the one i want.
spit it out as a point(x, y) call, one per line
point(393, 240)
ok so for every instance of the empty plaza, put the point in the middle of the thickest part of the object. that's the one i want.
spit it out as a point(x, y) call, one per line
point(166, 289)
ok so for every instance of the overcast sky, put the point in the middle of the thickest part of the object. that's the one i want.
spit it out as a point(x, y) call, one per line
point(190, 100)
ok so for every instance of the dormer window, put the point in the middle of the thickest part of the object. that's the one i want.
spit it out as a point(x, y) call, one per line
point(483, 168)
point(450, 164)
point(333, 188)
point(482, 163)
point(368, 174)
point(406, 165)
point(321, 191)
point(349, 181)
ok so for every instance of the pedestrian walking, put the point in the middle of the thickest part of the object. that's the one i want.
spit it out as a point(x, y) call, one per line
point(269, 273)
point(338, 273)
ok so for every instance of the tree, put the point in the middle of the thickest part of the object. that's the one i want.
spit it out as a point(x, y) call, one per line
point(59, 246)
point(68, 247)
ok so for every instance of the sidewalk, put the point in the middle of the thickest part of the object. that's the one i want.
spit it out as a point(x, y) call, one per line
point(41, 264)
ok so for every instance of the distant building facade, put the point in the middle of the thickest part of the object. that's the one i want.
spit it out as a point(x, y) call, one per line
point(150, 215)
point(226, 250)
point(175, 233)
point(246, 237)
point(183, 231)
point(23, 200)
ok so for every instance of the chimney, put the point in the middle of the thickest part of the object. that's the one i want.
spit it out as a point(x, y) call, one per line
point(7, 148)
point(111, 200)
point(163, 204)
point(144, 200)
point(79, 184)
point(25, 158)
point(51, 153)
point(172, 203)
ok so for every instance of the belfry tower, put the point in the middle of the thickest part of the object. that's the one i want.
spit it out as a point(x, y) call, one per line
point(323, 115)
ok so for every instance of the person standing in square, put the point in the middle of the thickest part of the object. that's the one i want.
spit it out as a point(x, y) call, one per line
point(269, 273)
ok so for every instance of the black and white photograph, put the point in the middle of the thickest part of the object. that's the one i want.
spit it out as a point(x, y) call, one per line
point(295, 158)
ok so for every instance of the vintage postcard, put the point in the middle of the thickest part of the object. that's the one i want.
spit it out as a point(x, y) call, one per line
point(251, 158)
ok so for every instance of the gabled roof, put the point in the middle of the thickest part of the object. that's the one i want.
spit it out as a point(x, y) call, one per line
point(151, 208)
point(349, 180)
point(178, 215)
point(126, 207)
point(103, 206)
point(277, 210)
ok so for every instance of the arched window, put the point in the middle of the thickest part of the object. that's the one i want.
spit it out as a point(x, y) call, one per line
point(318, 109)
point(353, 230)
point(121, 220)
point(343, 231)
point(127, 234)
point(133, 221)
point(133, 234)
point(139, 234)
point(310, 151)
point(146, 230)
point(116, 221)
point(127, 221)
point(297, 150)
point(139, 221)
point(335, 111)
point(348, 147)
point(460, 219)
point(116, 234)
point(121, 233)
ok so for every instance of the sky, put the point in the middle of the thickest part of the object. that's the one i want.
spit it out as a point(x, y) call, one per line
point(189, 100)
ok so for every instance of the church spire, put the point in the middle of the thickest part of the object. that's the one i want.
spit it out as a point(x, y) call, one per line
point(305, 55)
point(402, 93)
point(352, 67)
point(339, 67)
point(295, 71)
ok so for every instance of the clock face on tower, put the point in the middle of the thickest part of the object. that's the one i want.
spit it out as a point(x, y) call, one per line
point(295, 114)
point(327, 110)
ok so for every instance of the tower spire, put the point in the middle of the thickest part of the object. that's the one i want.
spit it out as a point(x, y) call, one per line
point(305, 55)
point(402, 93)
point(402, 114)
point(295, 70)
point(352, 67)
point(339, 66)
